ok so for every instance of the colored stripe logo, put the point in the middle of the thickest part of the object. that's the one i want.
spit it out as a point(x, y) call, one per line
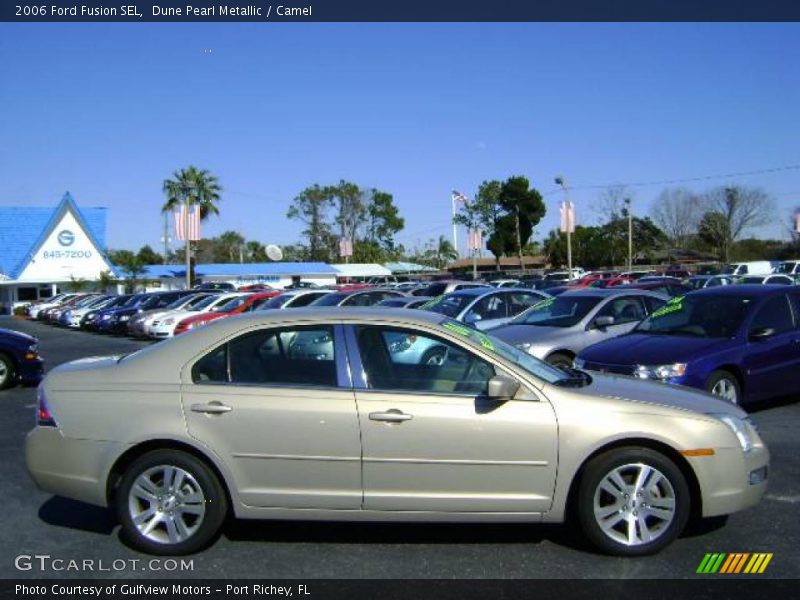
point(735, 563)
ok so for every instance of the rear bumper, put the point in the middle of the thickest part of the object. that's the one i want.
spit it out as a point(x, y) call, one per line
point(71, 468)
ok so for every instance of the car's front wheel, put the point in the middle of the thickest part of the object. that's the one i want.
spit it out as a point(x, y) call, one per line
point(632, 501)
point(725, 385)
point(170, 502)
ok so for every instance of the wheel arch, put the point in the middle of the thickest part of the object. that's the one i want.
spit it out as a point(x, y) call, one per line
point(734, 370)
point(134, 452)
point(695, 493)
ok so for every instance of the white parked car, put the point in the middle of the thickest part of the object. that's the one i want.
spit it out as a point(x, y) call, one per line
point(164, 326)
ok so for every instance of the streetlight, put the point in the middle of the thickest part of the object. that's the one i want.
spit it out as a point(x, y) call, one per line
point(630, 233)
point(567, 224)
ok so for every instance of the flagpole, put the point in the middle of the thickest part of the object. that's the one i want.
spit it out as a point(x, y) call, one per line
point(455, 235)
point(188, 249)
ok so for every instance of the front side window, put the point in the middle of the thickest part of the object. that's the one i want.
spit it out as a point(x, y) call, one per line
point(287, 356)
point(775, 314)
point(561, 311)
point(626, 309)
point(493, 306)
point(400, 359)
point(701, 315)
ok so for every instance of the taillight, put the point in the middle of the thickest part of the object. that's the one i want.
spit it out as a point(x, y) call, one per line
point(44, 418)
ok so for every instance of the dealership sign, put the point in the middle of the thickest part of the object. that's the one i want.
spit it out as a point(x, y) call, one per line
point(68, 252)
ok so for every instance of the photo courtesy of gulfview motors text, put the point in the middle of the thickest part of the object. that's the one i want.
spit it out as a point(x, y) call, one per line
point(113, 589)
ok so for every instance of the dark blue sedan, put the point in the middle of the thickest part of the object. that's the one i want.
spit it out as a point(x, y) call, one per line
point(739, 342)
point(19, 359)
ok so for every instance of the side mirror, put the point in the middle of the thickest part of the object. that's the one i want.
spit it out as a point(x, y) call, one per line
point(760, 334)
point(502, 387)
point(603, 322)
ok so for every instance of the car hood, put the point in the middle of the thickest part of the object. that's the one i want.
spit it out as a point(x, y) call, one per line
point(9, 336)
point(630, 389)
point(529, 334)
point(650, 349)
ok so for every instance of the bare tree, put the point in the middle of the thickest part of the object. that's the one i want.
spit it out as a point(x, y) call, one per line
point(737, 210)
point(611, 205)
point(677, 212)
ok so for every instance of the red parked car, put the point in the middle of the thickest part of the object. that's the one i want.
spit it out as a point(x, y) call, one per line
point(236, 306)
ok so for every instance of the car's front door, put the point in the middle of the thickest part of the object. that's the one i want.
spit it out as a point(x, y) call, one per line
point(625, 311)
point(772, 360)
point(432, 440)
point(276, 408)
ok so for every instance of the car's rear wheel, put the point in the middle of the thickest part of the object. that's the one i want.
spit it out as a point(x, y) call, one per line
point(725, 385)
point(632, 501)
point(560, 360)
point(7, 372)
point(170, 502)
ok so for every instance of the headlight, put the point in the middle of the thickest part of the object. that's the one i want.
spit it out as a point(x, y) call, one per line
point(740, 428)
point(124, 317)
point(660, 371)
point(169, 321)
point(106, 317)
point(578, 363)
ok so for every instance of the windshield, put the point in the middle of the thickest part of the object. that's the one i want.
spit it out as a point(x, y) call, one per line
point(329, 300)
point(698, 316)
point(276, 301)
point(435, 289)
point(450, 305)
point(562, 311)
point(232, 304)
point(182, 302)
point(730, 269)
point(531, 364)
point(207, 301)
point(786, 268)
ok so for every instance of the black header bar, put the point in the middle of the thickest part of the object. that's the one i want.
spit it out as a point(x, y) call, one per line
point(139, 11)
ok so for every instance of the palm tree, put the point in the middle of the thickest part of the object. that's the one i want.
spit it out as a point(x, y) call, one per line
point(192, 186)
point(445, 252)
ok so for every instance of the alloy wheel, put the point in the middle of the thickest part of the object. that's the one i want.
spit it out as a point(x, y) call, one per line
point(726, 389)
point(634, 504)
point(166, 504)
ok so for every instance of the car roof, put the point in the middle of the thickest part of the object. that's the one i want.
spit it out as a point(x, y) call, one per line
point(743, 289)
point(605, 292)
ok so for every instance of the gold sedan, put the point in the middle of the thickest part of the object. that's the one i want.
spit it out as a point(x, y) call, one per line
point(382, 415)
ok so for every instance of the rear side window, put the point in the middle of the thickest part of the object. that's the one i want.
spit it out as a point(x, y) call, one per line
point(774, 314)
point(288, 356)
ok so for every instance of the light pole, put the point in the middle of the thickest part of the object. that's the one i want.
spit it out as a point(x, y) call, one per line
point(568, 225)
point(630, 233)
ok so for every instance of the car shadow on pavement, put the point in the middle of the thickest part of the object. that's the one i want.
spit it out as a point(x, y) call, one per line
point(72, 514)
point(403, 533)
point(771, 403)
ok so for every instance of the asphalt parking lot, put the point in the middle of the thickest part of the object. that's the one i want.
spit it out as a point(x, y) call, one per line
point(40, 524)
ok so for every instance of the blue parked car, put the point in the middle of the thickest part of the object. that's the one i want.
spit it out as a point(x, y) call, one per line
point(108, 321)
point(740, 342)
point(19, 359)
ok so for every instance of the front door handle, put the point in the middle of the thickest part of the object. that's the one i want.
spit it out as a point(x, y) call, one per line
point(212, 408)
point(390, 416)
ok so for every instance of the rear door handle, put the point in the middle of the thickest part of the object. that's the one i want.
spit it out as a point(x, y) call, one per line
point(212, 408)
point(390, 416)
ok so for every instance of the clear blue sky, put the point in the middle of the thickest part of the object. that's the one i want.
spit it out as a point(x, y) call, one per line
point(107, 111)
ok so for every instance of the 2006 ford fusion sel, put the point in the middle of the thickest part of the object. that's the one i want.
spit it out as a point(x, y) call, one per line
point(343, 415)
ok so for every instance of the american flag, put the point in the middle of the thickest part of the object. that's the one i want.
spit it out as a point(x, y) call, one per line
point(459, 197)
point(567, 217)
point(187, 223)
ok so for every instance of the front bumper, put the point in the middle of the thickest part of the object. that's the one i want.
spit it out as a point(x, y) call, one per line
point(725, 479)
point(71, 468)
point(31, 371)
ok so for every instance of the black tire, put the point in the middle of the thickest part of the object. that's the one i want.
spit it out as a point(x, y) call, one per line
point(665, 531)
point(432, 355)
point(9, 371)
point(215, 505)
point(728, 381)
point(559, 360)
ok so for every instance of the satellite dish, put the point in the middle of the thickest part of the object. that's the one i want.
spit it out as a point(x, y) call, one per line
point(274, 252)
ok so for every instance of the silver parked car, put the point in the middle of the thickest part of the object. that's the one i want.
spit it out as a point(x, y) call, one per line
point(556, 329)
point(484, 308)
point(246, 416)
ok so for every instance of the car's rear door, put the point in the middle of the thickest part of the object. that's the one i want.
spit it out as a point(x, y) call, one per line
point(276, 405)
point(431, 439)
